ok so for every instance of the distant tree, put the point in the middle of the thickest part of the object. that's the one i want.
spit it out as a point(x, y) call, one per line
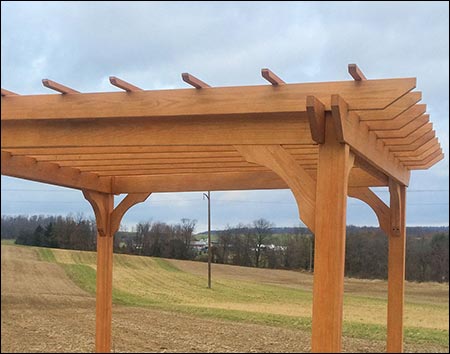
point(439, 257)
point(49, 237)
point(262, 234)
point(38, 236)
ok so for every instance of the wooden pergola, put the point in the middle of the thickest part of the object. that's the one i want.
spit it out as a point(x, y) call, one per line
point(324, 141)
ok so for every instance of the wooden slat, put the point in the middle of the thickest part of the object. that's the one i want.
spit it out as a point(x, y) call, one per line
point(58, 87)
point(419, 150)
point(425, 161)
point(8, 93)
point(123, 84)
point(393, 110)
point(167, 156)
point(123, 149)
point(220, 102)
point(271, 77)
point(421, 156)
point(356, 72)
point(178, 131)
point(400, 121)
point(430, 163)
point(193, 81)
point(365, 143)
point(412, 138)
point(28, 168)
point(131, 172)
point(406, 130)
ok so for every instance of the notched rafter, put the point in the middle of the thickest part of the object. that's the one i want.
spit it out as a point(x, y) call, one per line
point(193, 81)
point(356, 72)
point(58, 87)
point(29, 168)
point(270, 76)
point(122, 84)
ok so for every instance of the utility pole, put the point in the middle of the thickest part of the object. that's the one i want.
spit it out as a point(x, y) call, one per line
point(209, 238)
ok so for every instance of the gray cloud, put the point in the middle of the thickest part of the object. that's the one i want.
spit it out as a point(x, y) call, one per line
point(226, 43)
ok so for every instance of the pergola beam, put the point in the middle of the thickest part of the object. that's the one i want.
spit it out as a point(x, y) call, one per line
point(257, 129)
point(5, 93)
point(58, 87)
point(221, 102)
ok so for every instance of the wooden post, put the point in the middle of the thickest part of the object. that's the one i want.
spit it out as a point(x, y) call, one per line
point(335, 162)
point(103, 205)
point(108, 221)
point(396, 267)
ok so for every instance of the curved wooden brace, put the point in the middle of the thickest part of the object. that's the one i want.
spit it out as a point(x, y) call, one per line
point(120, 210)
point(378, 206)
point(103, 204)
point(276, 158)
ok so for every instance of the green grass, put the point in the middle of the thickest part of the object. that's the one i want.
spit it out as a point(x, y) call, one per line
point(158, 284)
point(8, 242)
point(46, 255)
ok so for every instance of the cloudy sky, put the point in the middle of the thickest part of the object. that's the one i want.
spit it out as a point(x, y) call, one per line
point(226, 44)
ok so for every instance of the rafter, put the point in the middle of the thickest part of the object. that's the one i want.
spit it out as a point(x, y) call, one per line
point(271, 77)
point(364, 143)
point(29, 168)
point(123, 84)
point(58, 87)
point(356, 72)
point(193, 81)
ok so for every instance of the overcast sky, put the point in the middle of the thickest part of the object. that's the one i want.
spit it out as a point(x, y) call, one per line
point(226, 44)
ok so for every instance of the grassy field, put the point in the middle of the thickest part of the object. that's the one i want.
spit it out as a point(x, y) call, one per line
point(270, 298)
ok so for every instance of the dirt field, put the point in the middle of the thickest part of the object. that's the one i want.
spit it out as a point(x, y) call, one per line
point(42, 310)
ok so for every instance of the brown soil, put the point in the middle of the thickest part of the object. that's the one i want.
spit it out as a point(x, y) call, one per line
point(43, 311)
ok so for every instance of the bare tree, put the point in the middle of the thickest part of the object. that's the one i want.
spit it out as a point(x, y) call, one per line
point(262, 233)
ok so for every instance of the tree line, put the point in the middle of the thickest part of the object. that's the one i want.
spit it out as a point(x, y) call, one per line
point(258, 244)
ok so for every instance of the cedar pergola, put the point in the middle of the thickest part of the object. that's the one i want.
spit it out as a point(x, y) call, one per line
point(324, 141)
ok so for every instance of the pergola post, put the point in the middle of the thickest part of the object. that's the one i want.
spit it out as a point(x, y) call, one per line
point(335, 162)
point(103, 205)
point(108, 220)
point(396, 267)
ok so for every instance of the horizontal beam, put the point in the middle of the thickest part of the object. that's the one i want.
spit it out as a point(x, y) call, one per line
point(29, 168)
point(163, 157)
point(158, 151)
point(419, 150)
point(220, 181)
point(365, 143)
point(222, 101)
point(8, 93)
point(287, 129)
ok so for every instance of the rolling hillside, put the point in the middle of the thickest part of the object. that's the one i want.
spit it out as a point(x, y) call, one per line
point(48, 305)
